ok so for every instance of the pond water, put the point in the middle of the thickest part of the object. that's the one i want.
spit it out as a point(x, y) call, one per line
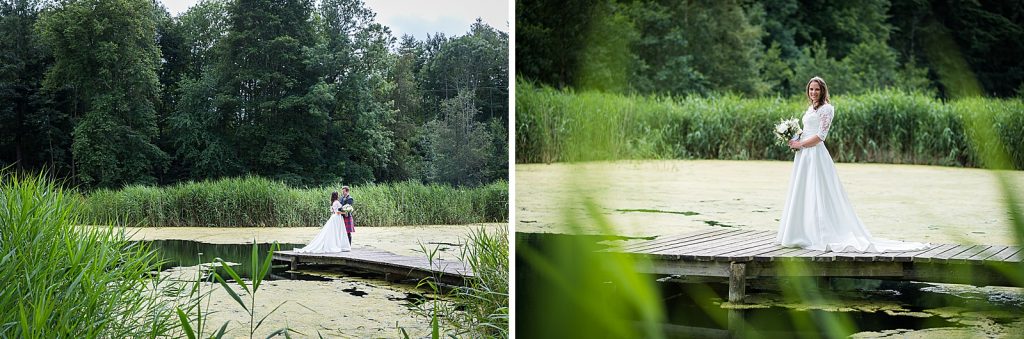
point(698, 309)
point(315, 300)
point(188, 253)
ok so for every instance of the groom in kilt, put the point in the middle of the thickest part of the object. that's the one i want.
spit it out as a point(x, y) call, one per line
point(350, 220)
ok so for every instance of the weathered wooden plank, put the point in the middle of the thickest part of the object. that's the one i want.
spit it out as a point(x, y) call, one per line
point(806, 255)
point(795, 256)
point(680, 267)
point(666, 239)
point(1003, 255)
point(690, 238)
point(928, 255)
point(726, 253)
point(771, 256)
point(962, 257)
point(990, 274)
point(866, 256)
point(706, 243)
point(944, 256)
point(980, 257)
point(713, 250)
point(904, 256)
point(827, 269)
point(683, 243)
point(1016, 257)
point(718, 238)
point(748, 253)
point(735, 238)
point(386, 262)
point(758, 238)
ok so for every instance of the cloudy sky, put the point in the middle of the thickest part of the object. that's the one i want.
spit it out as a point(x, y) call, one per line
point(418, 17)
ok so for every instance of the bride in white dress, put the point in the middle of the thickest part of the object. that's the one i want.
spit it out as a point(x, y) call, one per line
point(818, 214)
point(332, 237)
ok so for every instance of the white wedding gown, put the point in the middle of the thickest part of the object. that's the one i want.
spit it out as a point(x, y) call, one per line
point(332, 237)
point(818, 214)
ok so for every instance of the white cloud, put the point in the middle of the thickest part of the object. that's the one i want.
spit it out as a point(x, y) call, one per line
point(451, 17)
point(417, 17)
point(176, 7)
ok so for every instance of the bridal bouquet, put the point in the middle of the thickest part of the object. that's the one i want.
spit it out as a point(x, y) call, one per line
point(346, 209)
point(788, 130)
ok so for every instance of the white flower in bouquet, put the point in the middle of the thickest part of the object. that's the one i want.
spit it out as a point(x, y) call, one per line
point(346, 208)
point(788, 130)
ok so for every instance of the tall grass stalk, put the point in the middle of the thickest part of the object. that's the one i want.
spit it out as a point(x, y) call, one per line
point(62, 281)
point(479, 309)
point(880, 127)
point(260, 202)
point(574, 290)
point(260, 270)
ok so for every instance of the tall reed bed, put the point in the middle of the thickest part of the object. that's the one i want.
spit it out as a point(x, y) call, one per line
point(885, 127)
point(63, 281)
point(260, 202)
point(478, 309)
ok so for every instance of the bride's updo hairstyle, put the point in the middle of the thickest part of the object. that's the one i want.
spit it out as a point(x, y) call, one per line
point(824, 92)
point(334, 196)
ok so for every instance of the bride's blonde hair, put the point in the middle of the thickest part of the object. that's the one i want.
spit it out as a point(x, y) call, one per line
point(824, 92)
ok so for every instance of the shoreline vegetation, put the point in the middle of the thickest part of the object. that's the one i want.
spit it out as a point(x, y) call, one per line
point(889, 126)
point(260, 202)
point(64, 281)
point(95, 282)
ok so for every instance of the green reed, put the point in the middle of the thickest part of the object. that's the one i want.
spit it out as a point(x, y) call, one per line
point(479, 308)
point(883, 127)
point(63, 281)
point(260, 202)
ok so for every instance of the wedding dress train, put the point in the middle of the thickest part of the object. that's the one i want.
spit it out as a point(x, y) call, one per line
point(818, 214)
point(332, 237)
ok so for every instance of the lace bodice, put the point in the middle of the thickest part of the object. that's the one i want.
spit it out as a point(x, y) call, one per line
point(335, 206)
point(817, 121)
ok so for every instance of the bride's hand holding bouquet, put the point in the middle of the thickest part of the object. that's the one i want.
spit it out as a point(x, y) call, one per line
point(788, 131)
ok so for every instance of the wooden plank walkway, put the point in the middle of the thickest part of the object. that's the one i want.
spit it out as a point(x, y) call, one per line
point(742, 254)
point(393, 266)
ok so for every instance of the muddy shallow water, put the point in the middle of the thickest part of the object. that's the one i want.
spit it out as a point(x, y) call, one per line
point(337, 303)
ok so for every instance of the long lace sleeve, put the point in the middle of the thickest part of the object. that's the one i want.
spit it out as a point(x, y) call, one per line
point(825, 116)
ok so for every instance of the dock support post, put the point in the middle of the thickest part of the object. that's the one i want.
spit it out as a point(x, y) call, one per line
point(294, 263)
point(737, 282)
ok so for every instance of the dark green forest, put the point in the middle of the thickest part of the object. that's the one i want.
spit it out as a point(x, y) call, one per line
point(109, 93)
point(771, 47)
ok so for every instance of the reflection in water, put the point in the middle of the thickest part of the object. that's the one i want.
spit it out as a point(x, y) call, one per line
point(694, 308)
point(186, 253)
point(687, 317)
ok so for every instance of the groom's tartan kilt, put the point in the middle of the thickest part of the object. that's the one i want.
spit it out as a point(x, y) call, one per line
point(350, 223)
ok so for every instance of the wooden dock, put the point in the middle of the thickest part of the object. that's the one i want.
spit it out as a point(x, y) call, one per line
point(743, 254)
point(393, 266)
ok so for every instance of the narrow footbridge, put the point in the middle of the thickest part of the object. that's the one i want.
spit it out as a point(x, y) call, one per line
point(393, 266)
point(743, 254)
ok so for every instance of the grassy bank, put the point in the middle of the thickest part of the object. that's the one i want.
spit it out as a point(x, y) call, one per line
point(883, 127)
point(259, 202)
